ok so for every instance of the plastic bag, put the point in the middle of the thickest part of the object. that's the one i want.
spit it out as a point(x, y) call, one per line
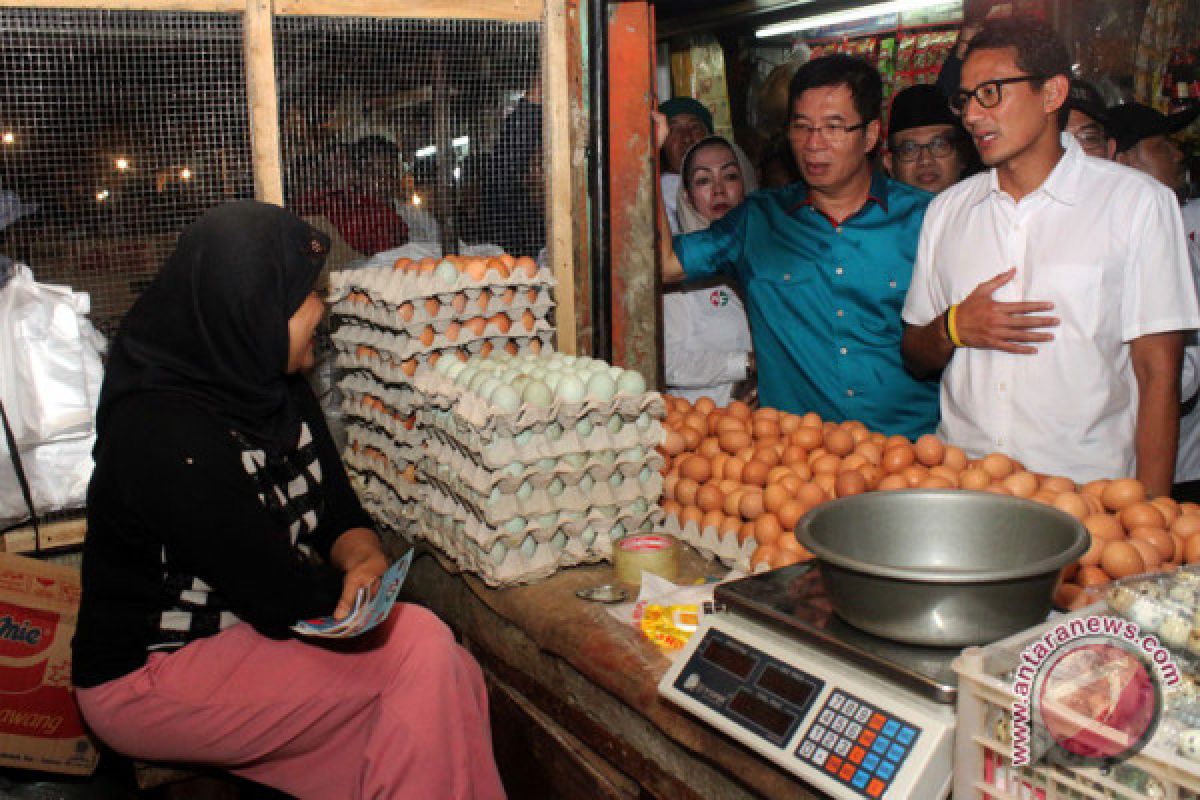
point(50, 375)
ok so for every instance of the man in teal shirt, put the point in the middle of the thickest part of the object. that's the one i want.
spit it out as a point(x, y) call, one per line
point(824, 268)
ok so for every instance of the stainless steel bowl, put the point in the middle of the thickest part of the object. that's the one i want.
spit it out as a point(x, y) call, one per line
point(941, 567)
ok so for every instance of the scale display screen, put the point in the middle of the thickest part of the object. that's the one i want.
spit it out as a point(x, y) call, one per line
point(724, 656)
point(754, 709)
point(780, 684)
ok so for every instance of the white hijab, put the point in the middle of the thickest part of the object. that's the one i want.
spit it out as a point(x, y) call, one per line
point(689, 218)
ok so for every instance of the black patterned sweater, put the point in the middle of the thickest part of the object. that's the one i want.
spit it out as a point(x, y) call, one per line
point(191, 529)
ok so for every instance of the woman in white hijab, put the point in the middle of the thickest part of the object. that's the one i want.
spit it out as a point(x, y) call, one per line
point(706, 340)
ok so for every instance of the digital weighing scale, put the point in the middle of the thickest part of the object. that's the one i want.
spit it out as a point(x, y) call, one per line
point(849, 713)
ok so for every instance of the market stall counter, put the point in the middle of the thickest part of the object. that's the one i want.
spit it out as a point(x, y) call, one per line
point(575, 706)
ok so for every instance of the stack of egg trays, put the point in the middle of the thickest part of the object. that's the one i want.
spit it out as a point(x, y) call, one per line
point(505, 497)
point(383, 313)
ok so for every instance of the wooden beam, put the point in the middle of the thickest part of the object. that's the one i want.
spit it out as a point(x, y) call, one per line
point(507, 10)
point(55, 536)
point(556, 155)
point(263, 100)
point(580, 217)
point(222, 6)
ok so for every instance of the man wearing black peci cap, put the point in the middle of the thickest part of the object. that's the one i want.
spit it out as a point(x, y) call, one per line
point(927, 146)
point(688, 121)
point(1088, 120)
point(1143, 141)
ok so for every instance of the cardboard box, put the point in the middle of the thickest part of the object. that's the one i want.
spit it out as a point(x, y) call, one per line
point(40, 726)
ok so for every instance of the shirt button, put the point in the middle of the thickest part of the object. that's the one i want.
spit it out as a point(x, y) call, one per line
point(838, 230)
point(849, 393)
point(1003, 386)
point(892, 284)
point(841, 313)
point(843, 351)
point(839, 270)
point(787, 276)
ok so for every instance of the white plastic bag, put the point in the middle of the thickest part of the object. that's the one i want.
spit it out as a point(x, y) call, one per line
point(50, 375)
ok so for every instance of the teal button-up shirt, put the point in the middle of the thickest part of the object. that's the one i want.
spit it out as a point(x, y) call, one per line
point(824, 301)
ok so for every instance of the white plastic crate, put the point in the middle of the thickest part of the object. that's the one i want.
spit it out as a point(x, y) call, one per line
point(983, 757)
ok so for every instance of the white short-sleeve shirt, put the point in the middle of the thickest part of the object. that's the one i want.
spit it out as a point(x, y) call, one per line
point(1105, 244)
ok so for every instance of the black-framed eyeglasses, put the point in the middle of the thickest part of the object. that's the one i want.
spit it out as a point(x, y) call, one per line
point(938, 147)
point(832, 132)
point(988, 94)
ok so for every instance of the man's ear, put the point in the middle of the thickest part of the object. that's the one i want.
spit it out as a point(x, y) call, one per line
point(887, 162)
point(1110, 147)
point(1055, 90)
point(872, 138)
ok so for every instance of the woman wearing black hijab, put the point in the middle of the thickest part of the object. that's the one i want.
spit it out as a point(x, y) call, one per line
point(219, 514)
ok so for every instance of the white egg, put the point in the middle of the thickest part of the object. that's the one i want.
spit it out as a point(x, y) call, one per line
point(1189, 744)
point(515, 525)
point(528, 547)
point(646, 474)
point(607, 456)
point(523, 438)
point(601, 386)
point(608, 512)
point(633, 454)
point(584, 427)
point(559, 540)
point(631, 382)
point(506, 398)
point(643, 421)
point(571, 389)
point(614, 372)
point(494, 496)
point(647, 525)
point(552, 379)
point(525, 490)
point(465, 375)
point(455, 369)
point(488, 388)
point(616, 480)
point(588, 536)
point(515, 468)
point(477, 381)
point(574, 460)
point(586, 483)
point(547, 464)
point(618, 532)
point(538, 394)
point(446, 272)
point(554, 431)
point(639, 505)
point(443, 366)
point(499, 551)
point(615, 424)
point(555, 487)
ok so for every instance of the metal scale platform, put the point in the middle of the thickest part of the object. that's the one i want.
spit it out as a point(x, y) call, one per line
point(851, 714)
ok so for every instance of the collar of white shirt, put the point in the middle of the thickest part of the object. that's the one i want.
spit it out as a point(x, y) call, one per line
point(1062, 184)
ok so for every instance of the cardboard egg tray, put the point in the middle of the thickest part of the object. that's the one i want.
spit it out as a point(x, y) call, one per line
point(472, 412)
point(367, 443)
point(712, 544)
point(402, 345)
point(381, 284)
point(383, 362)
point(408, 315)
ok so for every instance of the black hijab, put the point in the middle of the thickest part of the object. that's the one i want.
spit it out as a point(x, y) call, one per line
point(213, 325)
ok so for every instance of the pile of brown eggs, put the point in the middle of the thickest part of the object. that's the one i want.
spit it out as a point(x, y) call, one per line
point(754, 474)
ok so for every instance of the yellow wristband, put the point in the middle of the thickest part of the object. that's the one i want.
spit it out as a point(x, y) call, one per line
point(952, 326)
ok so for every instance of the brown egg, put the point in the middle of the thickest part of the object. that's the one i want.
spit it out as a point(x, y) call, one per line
point(733, 501)
point(783, 557)
point(672, 508)
point(1021, 484)
point(695, 467)
point(1085, 598)
point(915, 474)
point(826, 481)
point(828, 463)
point(929, 450)
point(839, 442)
point(1120, 560)
point(1123, 492)
point(974, 478)
point(745, 532)
point(762, 558)
point(891, 482)
point(1180, 547)
point(1073, 504)
point(765, 428)
point(1149, 553)
point(896, 440)
point(790, 513)
point(1068, 572)
point(735, 468)
point(897, 458)
point(998, 465)
point(432, 306)
point(870, 452)
point(1094, 503)
point(1094, 487)
point(729, 526)
point(767, 529)
point(1141, 515)
point(726, 422)
point(954, 458)
point(673, 443)
point(685, 491)
point(1187, 525)
point(712, 519)
point(709, 498)
point(1057, 484)
point(1092, 576)
point(691, 437)
point(669, 485)
point(1091, 556)
point(708, 448)
point(755, 473)
point(726, 486)
point(852, 461)
point(1168, 507)
point(691, 515)
point(1188, 507)
point(998, 488)
point(935, 482)
point(777, 474)
point(696, 421)
point(774, 496)
point(751, 507)
point(849, 482)
point(802, 471)
point(945, 473)
point(788, 423)
point(767, 454)
point(815, 453)
point(1191, 549)
point(810, 494)
point(872, 474)
point(1065, 594)
point(791, 483)
point(717, 463)
point(1105, 526)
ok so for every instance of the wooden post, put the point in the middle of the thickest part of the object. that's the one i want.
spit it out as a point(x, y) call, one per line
point(581, 250)
point(556, 155)
point(263, 102)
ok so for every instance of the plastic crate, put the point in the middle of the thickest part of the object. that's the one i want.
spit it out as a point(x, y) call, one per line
point(983, 759)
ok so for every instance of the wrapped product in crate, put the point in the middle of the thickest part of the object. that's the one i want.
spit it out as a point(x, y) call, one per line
point(985, 739)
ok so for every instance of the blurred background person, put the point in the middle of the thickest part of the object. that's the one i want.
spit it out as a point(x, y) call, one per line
point(514, 201)
point(707, 349)
point(1088, 120)
point(688, 121)
point(926, 146)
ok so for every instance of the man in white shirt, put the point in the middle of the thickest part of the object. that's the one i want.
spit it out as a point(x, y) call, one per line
point(1142, 140)
point(1092, 391)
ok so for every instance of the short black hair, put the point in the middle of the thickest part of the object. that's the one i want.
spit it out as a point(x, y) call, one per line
point(1038, 48)
point(838, 69)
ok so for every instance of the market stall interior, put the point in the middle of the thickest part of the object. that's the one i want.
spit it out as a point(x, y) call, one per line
point(669, 598)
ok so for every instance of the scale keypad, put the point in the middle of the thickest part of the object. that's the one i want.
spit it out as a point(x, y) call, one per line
point(858, 744)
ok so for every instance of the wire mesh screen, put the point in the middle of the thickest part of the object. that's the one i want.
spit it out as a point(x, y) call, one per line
point(399, 131)
point(116, 129)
